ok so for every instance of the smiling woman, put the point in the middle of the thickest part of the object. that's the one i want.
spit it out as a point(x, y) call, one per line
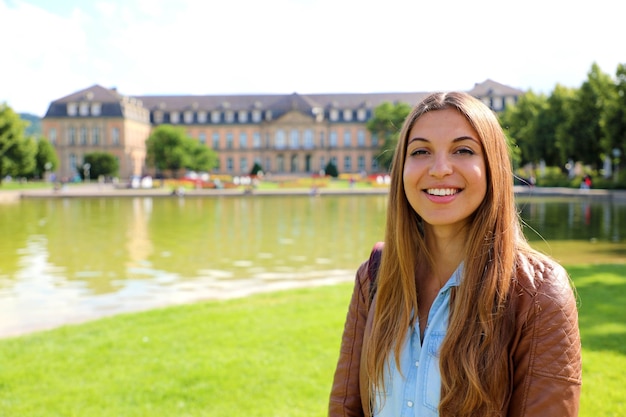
point(455, 314)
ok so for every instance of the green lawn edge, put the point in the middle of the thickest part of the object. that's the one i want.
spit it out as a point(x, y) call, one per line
point(265, 355)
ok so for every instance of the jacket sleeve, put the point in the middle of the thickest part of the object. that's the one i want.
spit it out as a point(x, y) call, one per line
point(547, 362)
point(345, 396)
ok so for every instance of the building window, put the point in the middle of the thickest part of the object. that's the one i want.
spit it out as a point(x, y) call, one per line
point(84, 109)
point(374, 139)
point(229, 116)
point(279, 139)
point(256, 116)
point(243, 164)
point(229, 164)
point(243, 116)
point(158, 117)
point(95, 135)
point(334, 115)
point(294, 139)
point(174, 117)
point(498, 103)
point(72, 109)
point(347, 164)
point(360, 138)
point(347, 115)
point(96, 108)
point(229, 141)
point(71, 136)
point(374, 164)
point(347, 138)
point(332, 139)
point(361, 163)
point(268, 115)
point(268, 164)
point(322, 140)
point(322, 163)
point(188, 117)
point(73, 164)
point(333, 160)
point(215, 116)
point(308, 139)
point(115, 136)
point(202, 118)
point(361, 115)
point(256, 140)
point(216, 140)
point(243, 140)
point(202, 138)
point(52, 134)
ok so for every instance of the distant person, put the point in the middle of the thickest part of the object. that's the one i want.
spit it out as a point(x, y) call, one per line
point(455, 314)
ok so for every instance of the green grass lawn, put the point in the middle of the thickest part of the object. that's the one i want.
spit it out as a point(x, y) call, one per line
point(265, 355)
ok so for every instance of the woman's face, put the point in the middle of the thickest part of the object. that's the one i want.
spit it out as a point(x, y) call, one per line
point(444, 170)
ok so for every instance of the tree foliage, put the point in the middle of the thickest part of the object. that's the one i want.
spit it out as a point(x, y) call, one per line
point(386, 124)
point(168, 148)
point(583, 124)
point(46, 158)
point(17, 153)
point(100, 164)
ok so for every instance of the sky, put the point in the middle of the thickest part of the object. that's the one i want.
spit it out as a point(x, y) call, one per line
point(53, 48)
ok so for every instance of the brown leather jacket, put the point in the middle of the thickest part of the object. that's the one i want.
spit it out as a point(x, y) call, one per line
point(545, 355)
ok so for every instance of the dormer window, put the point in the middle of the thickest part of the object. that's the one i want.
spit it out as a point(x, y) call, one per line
point(96, 109)
point(334, 115)
point(158, 117)
point(188, 117)
point(174, 117)
point(72, 108)
point(361, 115)
point(229, 116)
point(215, 116)
point(268, 115)
point(347, 115)
point(83, 110)
point(256, 116)
point(243, 116)
point(202, 117)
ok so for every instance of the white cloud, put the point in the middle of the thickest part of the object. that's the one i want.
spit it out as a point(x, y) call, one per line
point(282, 46)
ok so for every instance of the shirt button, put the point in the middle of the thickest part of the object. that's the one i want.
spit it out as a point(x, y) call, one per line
point(417, 363)
point(409, 403)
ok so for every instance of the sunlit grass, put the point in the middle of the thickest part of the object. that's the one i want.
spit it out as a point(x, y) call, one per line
point(265, 355)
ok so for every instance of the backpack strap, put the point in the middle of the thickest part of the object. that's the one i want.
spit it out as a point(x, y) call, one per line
point(372, 268)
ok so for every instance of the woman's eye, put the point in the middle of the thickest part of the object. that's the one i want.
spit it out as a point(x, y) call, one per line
point(465, 151)
point(416, 152)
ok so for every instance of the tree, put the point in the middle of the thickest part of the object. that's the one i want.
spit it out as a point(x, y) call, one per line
point(522, 124)
point(614, 118)
point(46, 158)
point(100, 164)
point(256, 169)
point(331, 170)
point(386, 123)
point(582, 131)
point(169, 148)
point(17, 153)
point(201, 158)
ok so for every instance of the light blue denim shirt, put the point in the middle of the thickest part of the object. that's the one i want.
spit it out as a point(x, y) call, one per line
point(416, 392)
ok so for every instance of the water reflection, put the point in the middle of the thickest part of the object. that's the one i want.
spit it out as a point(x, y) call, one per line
point(67, 260)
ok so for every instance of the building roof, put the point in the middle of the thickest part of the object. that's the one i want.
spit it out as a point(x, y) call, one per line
point(277, 103)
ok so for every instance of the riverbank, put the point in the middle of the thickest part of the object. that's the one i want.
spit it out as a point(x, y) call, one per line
point(108, 190)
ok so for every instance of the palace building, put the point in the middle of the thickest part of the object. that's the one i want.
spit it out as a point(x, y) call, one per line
point(286, 134)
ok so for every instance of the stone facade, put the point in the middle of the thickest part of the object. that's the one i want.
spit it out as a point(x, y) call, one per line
point(286, 134)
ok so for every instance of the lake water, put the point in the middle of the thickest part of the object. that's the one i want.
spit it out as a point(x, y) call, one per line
point(65, 260)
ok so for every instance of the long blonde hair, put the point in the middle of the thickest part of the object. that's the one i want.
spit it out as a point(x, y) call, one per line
point(473, 359)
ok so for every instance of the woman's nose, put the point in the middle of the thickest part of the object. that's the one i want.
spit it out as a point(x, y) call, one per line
point(440, 167)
